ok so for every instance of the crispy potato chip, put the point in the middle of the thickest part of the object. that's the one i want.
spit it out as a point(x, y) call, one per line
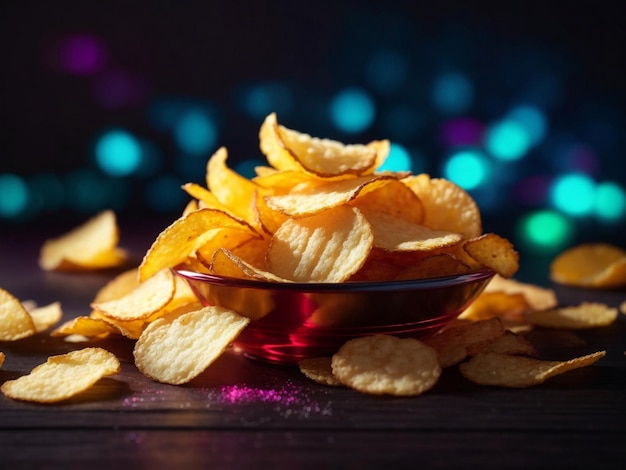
point(315, 196)
point(382, 364)
point(176, 348)
point(435, 265)
point(508, 343)
point(15, 321)
point(320, 370)
point(600, 265)
point(2, 356)
point(453, 343)
point(395, 234)
point(394, 199)
point(509, 306)
point(63, 377)
point(92, 245)
point(129, 328)
point(287, 149)
point(205, 197)
point(622, 307)
point(228, 239)
point(583, 316)
point(228, 264)
point(181, 239)
point(495, 252)
point(505, 370)
point(85, 326)
point(122, 284)
point(537, 297)
point(447, 206)
point(46, 316)
point(149, 297)
point(327, 247)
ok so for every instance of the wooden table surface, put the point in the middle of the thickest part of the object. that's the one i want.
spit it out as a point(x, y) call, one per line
point(242, 413)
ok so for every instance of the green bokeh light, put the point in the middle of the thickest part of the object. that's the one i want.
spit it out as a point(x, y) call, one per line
point(610, 202)
point(545, 231)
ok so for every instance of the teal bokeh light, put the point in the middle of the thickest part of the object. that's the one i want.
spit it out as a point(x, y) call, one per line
point(352, 111)
point(545, 231)
point(532, 119)
point(573, 194)
point(468, 168)
point(118, 153)
point(195, 132)
point(164, 194)
point(14, 195)
point(260, 99)
point(453, 93)
point(507, 140)
point(399, 159)
point(610, 202)
point(387, 70)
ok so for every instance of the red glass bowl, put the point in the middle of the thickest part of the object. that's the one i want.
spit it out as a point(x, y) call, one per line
point(292, 321)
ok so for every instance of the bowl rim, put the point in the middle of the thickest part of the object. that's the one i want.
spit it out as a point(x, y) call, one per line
point(476, 275)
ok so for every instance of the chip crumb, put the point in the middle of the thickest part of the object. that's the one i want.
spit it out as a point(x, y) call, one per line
point(320, 370)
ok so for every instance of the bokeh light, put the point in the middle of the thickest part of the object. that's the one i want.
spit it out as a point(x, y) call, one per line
point(257, 100)
point(532, 119)
point(386, 71)
point(116, 89)
point(352, 110)
point(47, 192)
point(507, 140)
point(164, 194)
point(195, 132)
point(461, 132)
point(82, 54)
point(118, 152)
point(609, 202)
point(88, 191)
point(402, 122)
point(246, 168)
point(453, 93)
point(545, 231)
point(468, 168)
point(14, 195)
point(573, 194)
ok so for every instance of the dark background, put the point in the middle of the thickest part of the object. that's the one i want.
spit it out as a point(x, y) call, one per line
point(213, 52)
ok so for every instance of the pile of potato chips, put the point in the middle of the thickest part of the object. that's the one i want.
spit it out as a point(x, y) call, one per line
point(319, 212)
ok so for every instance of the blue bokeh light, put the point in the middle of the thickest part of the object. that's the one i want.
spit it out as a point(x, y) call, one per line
point(453, 93)
point(468, 168)
point(352, 110)
point(507, 140)
point(14, 195)
point(573, 194)
point(164, 194)
point(257, 100)
point(609, 202)
point(386, 71)
point(196, 132)
point(399, 159)
point(118, 153)
point(532, 119)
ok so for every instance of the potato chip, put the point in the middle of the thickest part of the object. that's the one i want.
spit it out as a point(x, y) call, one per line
point(287, 149)
point(453, 343)
point(229, 239)
point(537, 297)
point(435, 265)
point(63, 377)
point(92, 245)
point(320, 370)
point(85, 326)
point(46, 316)
point(315, 196)
point(583, 316)
point(509, 306)
point(120, 285)
point(622, 307)
point(226, 263)
point(508, 343)
point(149, 297)
point(178, 347)
point(495, 252)
point(394, 199)
point(15, 321)
point(231, 189)
point(383, 364)
point(327, 247)
point(447, 206)
point(506, 370)
point(205, 197)
point(2, 356)
point(600, 265)
point(183, 237)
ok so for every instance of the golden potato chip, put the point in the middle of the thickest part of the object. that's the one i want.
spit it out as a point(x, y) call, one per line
point(394, 234)
point(230, 188)
point(509, 306)
point(15, 321)
point(226, 263)
point(228, 239)
point(149, 297)
point(452, 344)
point(495, 252)
point(622, 307)
point(287, 149)
point(435, 265)
point(129, 328)
point(508, 343)
point(181, 239)
point(505, 370)
point(315, 196)
point(326, 247)
point(122, 284)
point(176, 348)
point(46, 316)
point(85, 326)
point(583, 316)
point(599, 265)
point(394, 199)
point(63, 377)
point(320, 370)
point(537, 297)
point(205, 197)
point(92, 245)
point(383, 364)
point(2, 356)
point(447, 206)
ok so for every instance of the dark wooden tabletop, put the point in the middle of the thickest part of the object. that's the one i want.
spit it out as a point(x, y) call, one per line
point(242, 413)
